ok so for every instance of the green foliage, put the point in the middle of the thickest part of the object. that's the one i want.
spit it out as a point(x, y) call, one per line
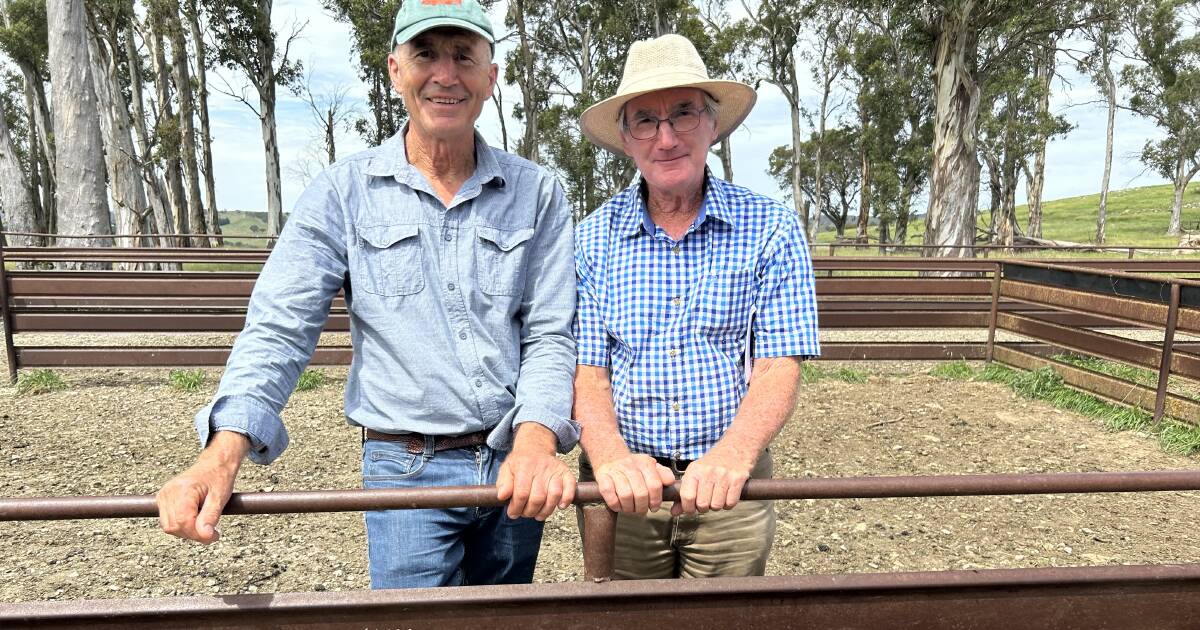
point(371, 24)
point(39, 382)
point(310, 379)
point(187, 380)
point(953, 370)
point(24, 38)
point(1130, 373)
point(1176, 437)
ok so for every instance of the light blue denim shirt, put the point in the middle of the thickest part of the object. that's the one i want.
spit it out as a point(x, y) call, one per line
point(447, 306)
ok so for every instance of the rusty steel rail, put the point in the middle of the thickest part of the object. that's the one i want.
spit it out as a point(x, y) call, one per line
point(1085, 598)
point(82, 507)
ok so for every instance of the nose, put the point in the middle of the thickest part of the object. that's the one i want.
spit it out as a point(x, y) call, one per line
point(445, 71)
point(666, 138)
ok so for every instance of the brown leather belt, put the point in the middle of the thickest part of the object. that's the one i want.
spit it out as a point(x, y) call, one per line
point(415, 442)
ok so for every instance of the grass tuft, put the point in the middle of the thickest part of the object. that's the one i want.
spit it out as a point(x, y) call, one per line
point(810, 373)
point(187, 380)
point(39, 382)
point(958, 370)
point(310, 379)
point(849, 375)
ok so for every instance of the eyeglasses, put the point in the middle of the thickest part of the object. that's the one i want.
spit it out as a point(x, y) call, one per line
point(646, 127)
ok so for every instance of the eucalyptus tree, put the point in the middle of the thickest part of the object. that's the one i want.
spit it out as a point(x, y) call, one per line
point(79, 161)
point(246, 42)
point(16, 197)
point(841, 173)
point(773, 40)
point(23, 38)
point(1104, 36)
point(1165, 88)
point(371, 30)
point(191, 12)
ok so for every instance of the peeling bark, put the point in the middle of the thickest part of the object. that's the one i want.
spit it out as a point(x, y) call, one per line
point(79, 163)
point(1111, 89)
point(20, 214)
point(212, 215)
point(197, 223)
point(954, 174)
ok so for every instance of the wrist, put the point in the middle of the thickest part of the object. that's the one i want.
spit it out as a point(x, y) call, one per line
point(531, 436)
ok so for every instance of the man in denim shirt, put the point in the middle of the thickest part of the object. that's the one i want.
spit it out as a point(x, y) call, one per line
point(456, 260)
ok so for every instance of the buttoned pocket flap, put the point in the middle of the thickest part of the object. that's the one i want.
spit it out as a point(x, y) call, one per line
point(506, 240)
point(384, 236)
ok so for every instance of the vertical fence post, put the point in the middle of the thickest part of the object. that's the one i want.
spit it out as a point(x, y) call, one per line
point(1164, 367)
point(599, 541)
point(993, 314)
point(6, 320)
point(1131, 250)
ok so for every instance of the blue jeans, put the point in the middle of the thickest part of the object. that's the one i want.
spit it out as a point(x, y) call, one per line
point(450, 547)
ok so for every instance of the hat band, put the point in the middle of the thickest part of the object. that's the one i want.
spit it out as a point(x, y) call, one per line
point(662, 80)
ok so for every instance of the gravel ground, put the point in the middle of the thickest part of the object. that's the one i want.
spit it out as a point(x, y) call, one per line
point(126, 431)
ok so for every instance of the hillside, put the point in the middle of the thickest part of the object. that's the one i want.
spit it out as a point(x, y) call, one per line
point(1136, 216)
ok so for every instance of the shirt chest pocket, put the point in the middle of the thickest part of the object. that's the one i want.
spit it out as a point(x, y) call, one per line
point(725, 300)
point(500, 259)
point(390, 259)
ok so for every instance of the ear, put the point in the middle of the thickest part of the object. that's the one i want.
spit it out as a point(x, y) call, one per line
point(493, 75)
point(394, 71)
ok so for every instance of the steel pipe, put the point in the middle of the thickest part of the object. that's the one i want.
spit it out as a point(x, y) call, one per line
point(82, 507)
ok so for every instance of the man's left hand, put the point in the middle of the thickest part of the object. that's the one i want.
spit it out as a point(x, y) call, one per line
point(533, 479)
point(713, 482)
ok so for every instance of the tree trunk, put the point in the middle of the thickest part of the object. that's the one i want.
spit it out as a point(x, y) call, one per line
point(128, 194)
point(1037, 177)
point(20, 213)
point(212, 215)
point(526, 80)
point(797, 141)
point(1111, 88)
point(176, 198)
point(79, 164)
point(197, 223)
point(864, 165)
point(40, 211)
point(726, 154)
point(1182, 177)
point(954, 174)
point(40, 112)
point(160, 220)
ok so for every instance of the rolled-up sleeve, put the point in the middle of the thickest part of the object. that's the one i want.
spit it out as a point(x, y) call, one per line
point(547, 346)
point(786, 320)
point(288, 309)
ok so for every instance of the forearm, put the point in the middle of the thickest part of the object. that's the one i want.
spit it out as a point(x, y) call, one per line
point(766, 407)
point(600, 436)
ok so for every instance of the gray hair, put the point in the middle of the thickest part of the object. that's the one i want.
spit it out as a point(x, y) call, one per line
point(710, 103)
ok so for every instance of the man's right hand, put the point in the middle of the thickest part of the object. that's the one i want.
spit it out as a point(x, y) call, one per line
point(190, 504)
point(633, 483)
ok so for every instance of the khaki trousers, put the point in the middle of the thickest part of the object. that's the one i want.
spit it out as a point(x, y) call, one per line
point(723, 543)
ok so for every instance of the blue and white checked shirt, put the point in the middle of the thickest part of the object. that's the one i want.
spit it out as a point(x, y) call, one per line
point(460, 318)
point(670, 319)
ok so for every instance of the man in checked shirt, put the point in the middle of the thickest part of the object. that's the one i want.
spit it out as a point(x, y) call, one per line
point(676, 273)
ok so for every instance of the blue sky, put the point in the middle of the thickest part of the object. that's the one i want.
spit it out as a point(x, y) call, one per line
point(1074, 163)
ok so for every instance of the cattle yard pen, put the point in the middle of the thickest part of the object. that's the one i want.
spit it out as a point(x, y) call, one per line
point(1069, 317)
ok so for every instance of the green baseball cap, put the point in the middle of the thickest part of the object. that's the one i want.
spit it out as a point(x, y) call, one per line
point(417, 16)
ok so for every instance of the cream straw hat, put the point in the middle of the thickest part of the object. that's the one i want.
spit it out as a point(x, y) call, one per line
point(670, 61)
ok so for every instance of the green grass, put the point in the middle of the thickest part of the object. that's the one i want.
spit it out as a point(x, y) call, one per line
point(810, 373)
point(310, 379)
point(244, 223)
point(1141, 376)
point(1046, 385)
point(953, 370)
point(39, 382)
point(1136, 216)
point(187, 380)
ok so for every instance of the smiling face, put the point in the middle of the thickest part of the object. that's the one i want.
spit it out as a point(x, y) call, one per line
point(671, 162)
point(444, 75)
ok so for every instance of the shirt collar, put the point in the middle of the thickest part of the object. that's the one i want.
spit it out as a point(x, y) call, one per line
point(715, 205)
point(391, 160)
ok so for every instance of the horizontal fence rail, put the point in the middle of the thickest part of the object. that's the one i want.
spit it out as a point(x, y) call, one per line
point(59, 508)
point(1163, 597)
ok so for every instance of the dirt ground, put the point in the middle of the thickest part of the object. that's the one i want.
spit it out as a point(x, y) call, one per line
point(124, 432)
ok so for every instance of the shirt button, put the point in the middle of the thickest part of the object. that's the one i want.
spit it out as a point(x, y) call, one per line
point(478, 383)
point(675, 250)
point(450, 286)
point(462, 335)
point(676, 301)
point(448, 236)
point(673, 352)
point(675, 406)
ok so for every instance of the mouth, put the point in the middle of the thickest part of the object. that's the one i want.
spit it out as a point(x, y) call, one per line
point(671, 160)
point(445, 100)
